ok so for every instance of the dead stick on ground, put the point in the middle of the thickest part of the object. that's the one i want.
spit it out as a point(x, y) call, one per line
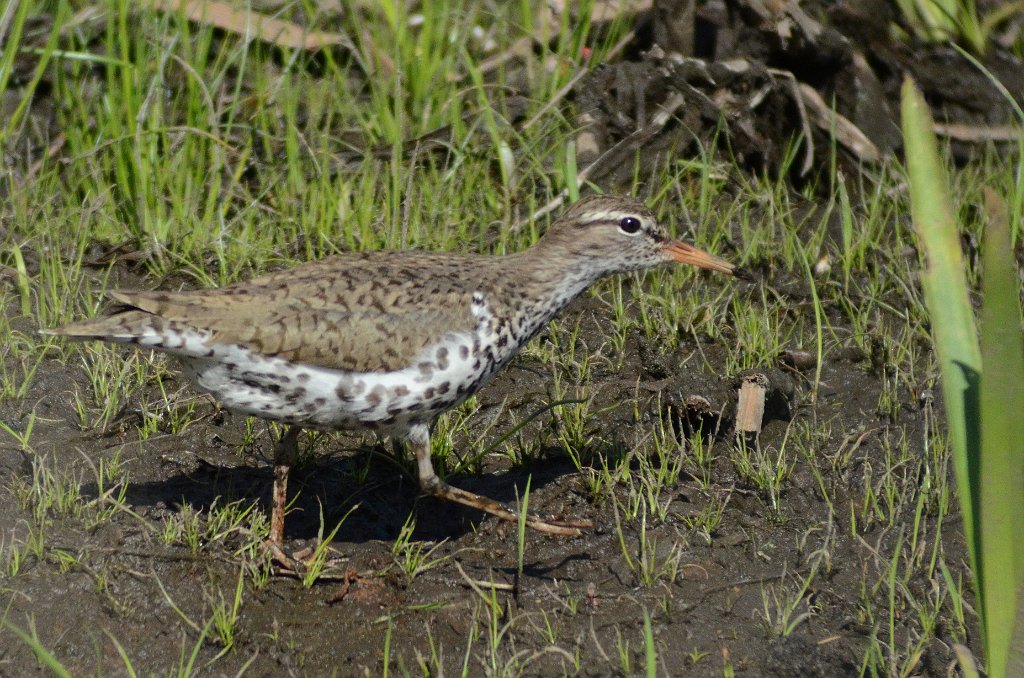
point(805, 125)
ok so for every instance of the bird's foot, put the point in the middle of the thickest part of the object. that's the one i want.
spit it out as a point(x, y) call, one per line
point(281, 556)
point(301, 562)
point(442, 490)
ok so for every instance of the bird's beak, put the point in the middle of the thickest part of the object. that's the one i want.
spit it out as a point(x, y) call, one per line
point(684, 253)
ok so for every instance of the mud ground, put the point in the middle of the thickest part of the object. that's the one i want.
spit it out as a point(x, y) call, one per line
point(577, 603)
point(577, 607)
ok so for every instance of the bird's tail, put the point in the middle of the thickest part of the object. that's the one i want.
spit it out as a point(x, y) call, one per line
point(122, 326)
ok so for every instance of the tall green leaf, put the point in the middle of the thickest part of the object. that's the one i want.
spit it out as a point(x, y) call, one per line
point(1001, 462)
point(983, 406)
point(946, 294)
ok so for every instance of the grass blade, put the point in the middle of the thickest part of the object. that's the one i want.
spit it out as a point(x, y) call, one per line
point(43, 655)
point(1001, 466)
point(650, 651)
point(946, 295)
point(982, 405)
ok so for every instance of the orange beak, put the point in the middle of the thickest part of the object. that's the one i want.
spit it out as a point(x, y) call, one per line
point(684, 253)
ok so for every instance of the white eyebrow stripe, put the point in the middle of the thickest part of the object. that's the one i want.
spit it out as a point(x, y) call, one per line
point(608, 215)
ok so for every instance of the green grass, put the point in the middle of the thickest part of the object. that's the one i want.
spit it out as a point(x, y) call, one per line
point(960, 21)
point(193, 158)
point(411, 557)
point(982, 368)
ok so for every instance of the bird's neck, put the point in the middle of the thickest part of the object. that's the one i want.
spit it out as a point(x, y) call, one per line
point(546, 282)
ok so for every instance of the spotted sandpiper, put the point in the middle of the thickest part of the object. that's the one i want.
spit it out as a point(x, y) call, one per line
point(386, 340)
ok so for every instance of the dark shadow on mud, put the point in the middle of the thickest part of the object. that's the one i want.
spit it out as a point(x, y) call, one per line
point(536, 572)
point(330, 486)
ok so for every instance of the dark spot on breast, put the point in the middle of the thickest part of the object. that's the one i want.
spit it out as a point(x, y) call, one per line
point(303, 377)
point(429, 393)
point(444, 387)
point(502, 341)
point(320, 402)
point(343, 393)
point(375, 396)
point(463, 352)
point(401, 391)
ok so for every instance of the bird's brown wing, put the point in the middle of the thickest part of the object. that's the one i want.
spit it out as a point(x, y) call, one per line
point(370, 332)
point(361, 337)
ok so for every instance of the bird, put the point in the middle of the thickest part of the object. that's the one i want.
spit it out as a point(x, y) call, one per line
point(386, 340)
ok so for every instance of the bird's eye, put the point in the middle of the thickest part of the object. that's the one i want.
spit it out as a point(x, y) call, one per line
point(629, 225)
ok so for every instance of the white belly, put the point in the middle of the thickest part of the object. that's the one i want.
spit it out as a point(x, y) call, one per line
point(442, 376)
point(317, 397)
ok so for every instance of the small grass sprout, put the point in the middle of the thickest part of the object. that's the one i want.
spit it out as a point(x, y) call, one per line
point(413, 558)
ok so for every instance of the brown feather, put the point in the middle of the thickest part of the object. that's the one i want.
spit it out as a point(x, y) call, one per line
point(313, 314)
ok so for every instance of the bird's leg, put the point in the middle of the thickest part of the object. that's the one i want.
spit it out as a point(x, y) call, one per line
point(419, 439)
point(286, 453)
